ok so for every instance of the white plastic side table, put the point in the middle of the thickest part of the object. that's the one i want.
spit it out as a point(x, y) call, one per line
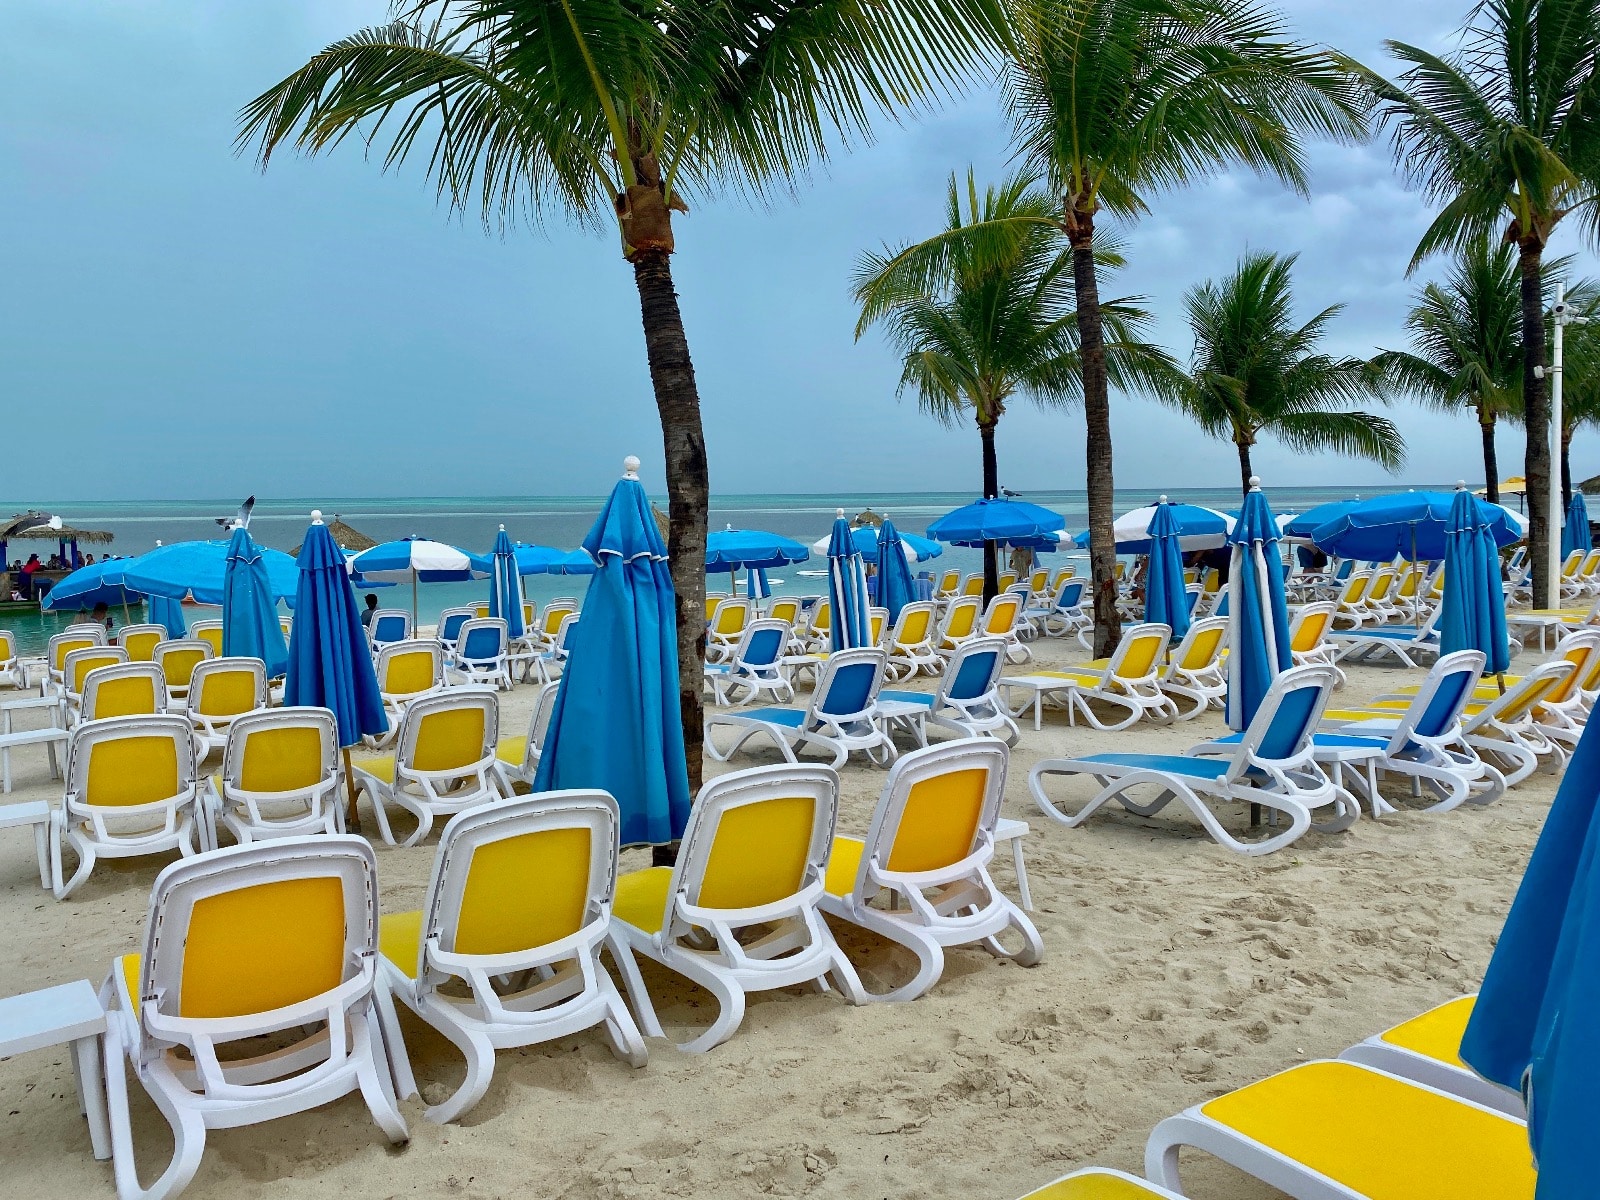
point(53, 1017)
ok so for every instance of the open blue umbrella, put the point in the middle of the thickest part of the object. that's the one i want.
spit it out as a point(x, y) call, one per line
point(168, 613)
point(1574, 533)
point(547, 560)
point(330, 664)
point(1303, 525)
point(1013, 522)
point(865, 537)
point(505, 593)
point(1409, 525)
point(1258, 614)
point(850, 625)
point(98, 583)
point(895, 588)
point(199, 570)
point(1196, 528)
point(617, 723)
point(729, 548)
point(1533, 1027)
point(1165, 597)
point(1473, 613)
point(250, 627)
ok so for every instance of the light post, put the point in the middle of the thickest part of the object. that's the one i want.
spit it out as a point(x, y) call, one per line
point(1563, 315)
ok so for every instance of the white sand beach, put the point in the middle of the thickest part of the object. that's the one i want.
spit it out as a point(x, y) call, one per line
point(1174, 970)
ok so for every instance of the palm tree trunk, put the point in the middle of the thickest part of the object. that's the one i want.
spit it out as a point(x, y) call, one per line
point(688, 484)
point(1536, 420)
point(1245, 473)
point(991, 489)
point(1491, 462)
point(1097, 442)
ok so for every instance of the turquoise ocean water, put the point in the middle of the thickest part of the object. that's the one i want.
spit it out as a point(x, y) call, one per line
point(471, 522)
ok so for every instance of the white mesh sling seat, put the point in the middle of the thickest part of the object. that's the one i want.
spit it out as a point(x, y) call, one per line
point(738, 912)
point(841, 718)
point(929, 846)
point(131, 791)
point(278, 940)
point(517, 910)
point(1270, 764)
point(444, 761)
point(279, 778)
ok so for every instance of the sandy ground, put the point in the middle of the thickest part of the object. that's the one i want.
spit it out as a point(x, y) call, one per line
point(1174, 970)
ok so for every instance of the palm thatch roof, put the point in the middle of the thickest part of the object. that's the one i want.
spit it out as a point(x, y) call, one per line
point(1590, 486)
point(662, 522)
point(866, 517)
point(35, 526)
point(346, 537)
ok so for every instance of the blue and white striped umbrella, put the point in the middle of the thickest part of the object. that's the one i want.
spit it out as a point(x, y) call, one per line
point(505, 590)
point(1258, 614)
point(847, 589)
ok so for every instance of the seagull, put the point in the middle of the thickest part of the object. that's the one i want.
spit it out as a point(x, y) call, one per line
point(242, 521)
point(1007, 492)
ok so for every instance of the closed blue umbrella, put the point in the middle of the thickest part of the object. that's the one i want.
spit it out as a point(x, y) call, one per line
point(850, 625)
point(756, 586)
point(895, 588)
point(1533, 1028)
point(168, 613)
point(250, 627)
point(505, 593)
point(1013, 522)
point(1574, 534)
point(1407, 524)
point(1258, 614)
point(617, 723)
point(199, 570)
point(1165, 597)
point(1473, 616)
point(330, 664)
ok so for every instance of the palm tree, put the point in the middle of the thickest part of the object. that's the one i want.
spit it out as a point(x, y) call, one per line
point(1113, 100)
point(1466, 338)
point(985, 311)
point(1500, 134)
point(1255, 372)
point(614, 113)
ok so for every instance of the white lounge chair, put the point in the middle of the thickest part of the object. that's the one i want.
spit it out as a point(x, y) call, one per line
point(755, 665)
point(280, 778)
point(518, 757)
point(967, 701)
point(840, 718)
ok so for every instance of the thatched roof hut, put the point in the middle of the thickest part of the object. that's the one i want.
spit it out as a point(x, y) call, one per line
point(346, 537)
point(35, 526)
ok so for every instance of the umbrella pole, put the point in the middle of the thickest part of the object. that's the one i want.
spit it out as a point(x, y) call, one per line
point(352, 818)
point(414, 617)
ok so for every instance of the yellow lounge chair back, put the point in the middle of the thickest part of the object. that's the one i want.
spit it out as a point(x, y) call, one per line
point(140, 641)
point(80, 662)
point(949, 582)
point(409, 668)
point(557, 611)
point(822, 617)
point(1001, 619)
point(1378, 590)
point(287, 625)
point(209, 632)
point(961, 621)
point(1569, 568)
point(64, 644)
point(178, 658)
point(1309, 626)
point(529, 613)
point(1062, 575)
point(1038, 581)
point(1410, 577)
point(877, 618)
point(1008, 580)
point(730, 617)
point(712, 600)
point(786, 610)
point(480, 904)
point(1120, 571)
point(1205, 646)
point(913, 626)
point(130, 689)
point(1526, 695)
point(1582, 652)
point(756, 839)
point(973, 585)
point(281, 751)
point(228, 687)
point(450, 733)
point(123, 762)
point(258, 928)
point(480, 611)
point(1139, 654)
point(8, 647)
point(1355, 589)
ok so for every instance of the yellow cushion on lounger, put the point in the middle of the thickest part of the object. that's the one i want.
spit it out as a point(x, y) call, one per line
point(512, 750)
point(1094, 1185)
point(398, 935)
point(641, 898)
point(381, 766)
point(130, 973)
point(1436, 1033)
point(1381, 1137)
point(844, 863)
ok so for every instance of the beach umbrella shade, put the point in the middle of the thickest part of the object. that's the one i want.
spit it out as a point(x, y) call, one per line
point(850, 625)
point(250, 627)
point(98, 583)
point(616, 723)
point(1198, 528)
point(1473, 612)
point(1258, 614)
point(895, 588)
point(1574, 533)
point(1408, 525)
point(421, 561)
point(198, 571)
point(865, 538)
point(505, 592)
point(1012, 522)
point(1165, 598)
point(1533, 1028)
point(168, 613)
point(330, 663)
point(547, 560)
point(1302, 525)
point(729, 548)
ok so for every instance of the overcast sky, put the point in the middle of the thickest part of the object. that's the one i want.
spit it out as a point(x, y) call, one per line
point(175, 324)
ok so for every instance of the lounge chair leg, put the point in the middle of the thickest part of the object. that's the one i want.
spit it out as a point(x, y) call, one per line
point(479, 1053)
point(627, 1043)
point(633, 980)
point(1021, 873)
point(374, 1079)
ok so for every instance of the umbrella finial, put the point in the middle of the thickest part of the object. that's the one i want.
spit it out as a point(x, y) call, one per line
point(316, 516)
point(838, 512)
point(502, 527)
point(1255, 483)
point(1461, 485)
point(1163, 500)
point(630, 467)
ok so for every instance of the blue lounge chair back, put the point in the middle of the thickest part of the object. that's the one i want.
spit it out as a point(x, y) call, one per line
point(482, 643)
point(450, 624)
point(390, 627)
point(764, 644)
point(1435, 711)
point(1071, 594)
point(848, 689)
point(1280, 732)
point(974, 669)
